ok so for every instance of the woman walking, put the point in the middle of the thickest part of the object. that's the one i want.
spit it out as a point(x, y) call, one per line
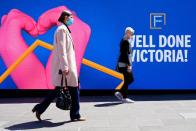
point(63, 61)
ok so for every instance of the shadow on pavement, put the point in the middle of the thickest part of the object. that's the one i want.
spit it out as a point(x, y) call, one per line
point(108, 104)
point(35, 125)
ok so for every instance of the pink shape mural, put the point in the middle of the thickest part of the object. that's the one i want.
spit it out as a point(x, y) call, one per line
point(31, 74)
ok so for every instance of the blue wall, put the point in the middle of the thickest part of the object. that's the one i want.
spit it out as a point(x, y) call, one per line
point(108, 19)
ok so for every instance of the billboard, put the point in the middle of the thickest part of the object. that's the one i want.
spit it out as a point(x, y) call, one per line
point(163, 45)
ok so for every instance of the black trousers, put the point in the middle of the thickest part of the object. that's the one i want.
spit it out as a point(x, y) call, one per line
point(74, 92)
point(127, 81)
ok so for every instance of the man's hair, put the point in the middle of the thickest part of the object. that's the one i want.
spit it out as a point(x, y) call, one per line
point(63, 14)
point(129, 29)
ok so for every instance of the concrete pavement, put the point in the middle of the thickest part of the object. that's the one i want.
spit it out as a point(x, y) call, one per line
point(104, 113)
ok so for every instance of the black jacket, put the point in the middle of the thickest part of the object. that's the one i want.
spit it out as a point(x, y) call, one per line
point(124, 52)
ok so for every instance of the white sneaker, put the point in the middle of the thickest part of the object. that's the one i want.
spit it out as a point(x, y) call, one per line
point(119, 96)
point(127, 100)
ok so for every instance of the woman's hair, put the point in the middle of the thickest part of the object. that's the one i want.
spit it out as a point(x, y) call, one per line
point(62, 16)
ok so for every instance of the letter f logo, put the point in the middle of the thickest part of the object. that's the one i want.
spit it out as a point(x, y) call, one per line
point(157, 21)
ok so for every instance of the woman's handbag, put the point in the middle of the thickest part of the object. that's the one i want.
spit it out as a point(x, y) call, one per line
point(63, 100)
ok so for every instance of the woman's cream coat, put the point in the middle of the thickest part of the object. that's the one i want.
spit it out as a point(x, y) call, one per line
point(64, 58)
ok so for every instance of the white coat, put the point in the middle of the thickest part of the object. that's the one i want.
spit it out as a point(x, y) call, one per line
point(64, 58)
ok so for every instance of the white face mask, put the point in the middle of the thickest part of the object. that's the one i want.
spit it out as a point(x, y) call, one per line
point(130, 40)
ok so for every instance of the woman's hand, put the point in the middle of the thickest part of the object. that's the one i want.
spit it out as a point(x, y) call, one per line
point(65, 72)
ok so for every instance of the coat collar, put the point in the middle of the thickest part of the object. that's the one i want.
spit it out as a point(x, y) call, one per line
point(68, 33)
point(67, 28)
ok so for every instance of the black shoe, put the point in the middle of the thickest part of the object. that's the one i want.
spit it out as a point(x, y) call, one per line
point(38, 115)
point(34, 109)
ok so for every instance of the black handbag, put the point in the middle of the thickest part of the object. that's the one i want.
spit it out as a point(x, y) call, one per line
point(63, 100)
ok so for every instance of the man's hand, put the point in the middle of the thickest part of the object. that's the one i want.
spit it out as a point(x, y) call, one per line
point(129, 69)
point(65, 72)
